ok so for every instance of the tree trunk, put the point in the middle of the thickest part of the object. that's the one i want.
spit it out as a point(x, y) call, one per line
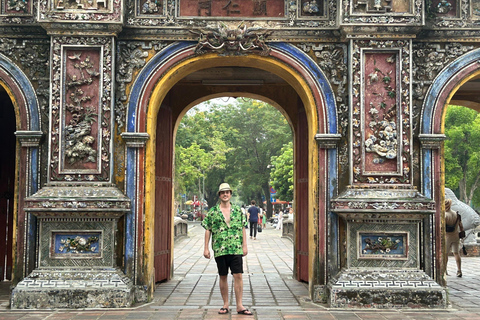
point(266, 191)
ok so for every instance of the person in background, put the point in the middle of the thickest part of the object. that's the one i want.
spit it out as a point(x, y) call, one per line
point(280, 220)
point(253, 215)
point(453, 227)
point(264, 218)
point(225, 224)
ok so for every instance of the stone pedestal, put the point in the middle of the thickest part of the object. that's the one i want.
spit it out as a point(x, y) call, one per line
point(385, 288)
point(76, 250)
point(386, 234)
point(72, 288)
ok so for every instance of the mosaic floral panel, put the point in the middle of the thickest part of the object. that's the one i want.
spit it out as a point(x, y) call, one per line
point(81, 109)
point(61, 239)
point(152, 7)
point(382, 245)
point(445, 8)
point(312, 8)
point(16, 7)
point(368, 240)
point(76, 245)
point(381, 112)
point(452, 14)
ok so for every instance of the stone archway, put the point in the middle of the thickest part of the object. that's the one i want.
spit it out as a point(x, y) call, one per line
point(441, 92)
point(28, 133)
point(147, 95)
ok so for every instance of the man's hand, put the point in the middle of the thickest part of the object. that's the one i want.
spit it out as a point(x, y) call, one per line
point(206, 253)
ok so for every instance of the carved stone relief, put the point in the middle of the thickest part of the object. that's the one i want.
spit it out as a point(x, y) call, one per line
point(232, 40)
point(81, 109)
point(380, 115)
point(131, 57)
point(81, 10)
point(382, 11)
point(428, 60)
point(332, 59)
point(32, 56)
point(449, 14)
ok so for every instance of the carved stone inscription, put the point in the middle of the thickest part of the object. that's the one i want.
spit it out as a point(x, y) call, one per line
point(233, 8)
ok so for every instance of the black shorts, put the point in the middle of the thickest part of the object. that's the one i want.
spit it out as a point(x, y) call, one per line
point(232, 261)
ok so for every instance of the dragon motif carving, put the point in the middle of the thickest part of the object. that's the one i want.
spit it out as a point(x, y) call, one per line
point(232, 40)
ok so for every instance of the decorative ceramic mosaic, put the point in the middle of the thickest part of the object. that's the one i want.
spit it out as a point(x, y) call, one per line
point(76, 245)
point(382, 245)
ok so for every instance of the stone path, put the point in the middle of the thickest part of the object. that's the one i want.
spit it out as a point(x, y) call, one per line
point(269, 290)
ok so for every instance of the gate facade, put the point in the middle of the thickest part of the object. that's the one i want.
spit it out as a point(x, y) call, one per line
point(98, 87)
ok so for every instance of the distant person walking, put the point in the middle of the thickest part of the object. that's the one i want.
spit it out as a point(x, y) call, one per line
point(454, 228)
point(253, 215)
point(280, 220)
point(225, 224)
point(264, 218)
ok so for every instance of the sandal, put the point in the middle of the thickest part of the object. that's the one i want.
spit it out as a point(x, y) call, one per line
point(223, 311)
point(459, 274)
point(245, 312)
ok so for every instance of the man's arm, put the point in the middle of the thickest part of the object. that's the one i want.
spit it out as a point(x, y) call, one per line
point(244, 244)
point(206, 250)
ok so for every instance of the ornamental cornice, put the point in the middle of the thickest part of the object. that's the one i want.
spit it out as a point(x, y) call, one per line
point(328, 141)
point(135, 139)
point(29, 138)
point(431, 141)
point(364, 200)
point(77, 198)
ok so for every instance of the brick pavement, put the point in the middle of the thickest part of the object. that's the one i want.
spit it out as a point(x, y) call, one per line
point(269, 290)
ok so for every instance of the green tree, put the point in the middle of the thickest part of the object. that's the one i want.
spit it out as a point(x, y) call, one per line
point(282, 173)
point(257, 132)
point(244, 135)
point(200, 154)
point(462, 153)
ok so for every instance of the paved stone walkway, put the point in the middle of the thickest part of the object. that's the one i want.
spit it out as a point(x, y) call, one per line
point(269, 290)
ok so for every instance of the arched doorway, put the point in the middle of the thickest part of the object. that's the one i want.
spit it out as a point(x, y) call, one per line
point(7, 187)
point(176, 103)
point(22, 116)
point(154, 109)
point(446, 89)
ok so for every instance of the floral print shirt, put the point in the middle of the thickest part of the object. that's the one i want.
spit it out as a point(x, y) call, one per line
point(226, 239)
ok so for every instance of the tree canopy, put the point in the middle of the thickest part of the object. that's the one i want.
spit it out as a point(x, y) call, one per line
point(462, 153)
point(282, 173)
point(231, 143)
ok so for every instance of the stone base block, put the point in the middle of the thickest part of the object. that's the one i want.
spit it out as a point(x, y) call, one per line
point(385, 289)
point(73, 289)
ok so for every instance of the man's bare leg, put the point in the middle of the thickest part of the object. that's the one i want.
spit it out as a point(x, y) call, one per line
point(224, 290)
point(238, 287)
point(459, 264)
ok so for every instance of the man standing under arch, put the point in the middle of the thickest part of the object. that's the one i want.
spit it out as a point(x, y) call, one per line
point(225, 224)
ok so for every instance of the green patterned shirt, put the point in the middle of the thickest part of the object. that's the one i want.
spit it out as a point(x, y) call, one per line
point(225, 240)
